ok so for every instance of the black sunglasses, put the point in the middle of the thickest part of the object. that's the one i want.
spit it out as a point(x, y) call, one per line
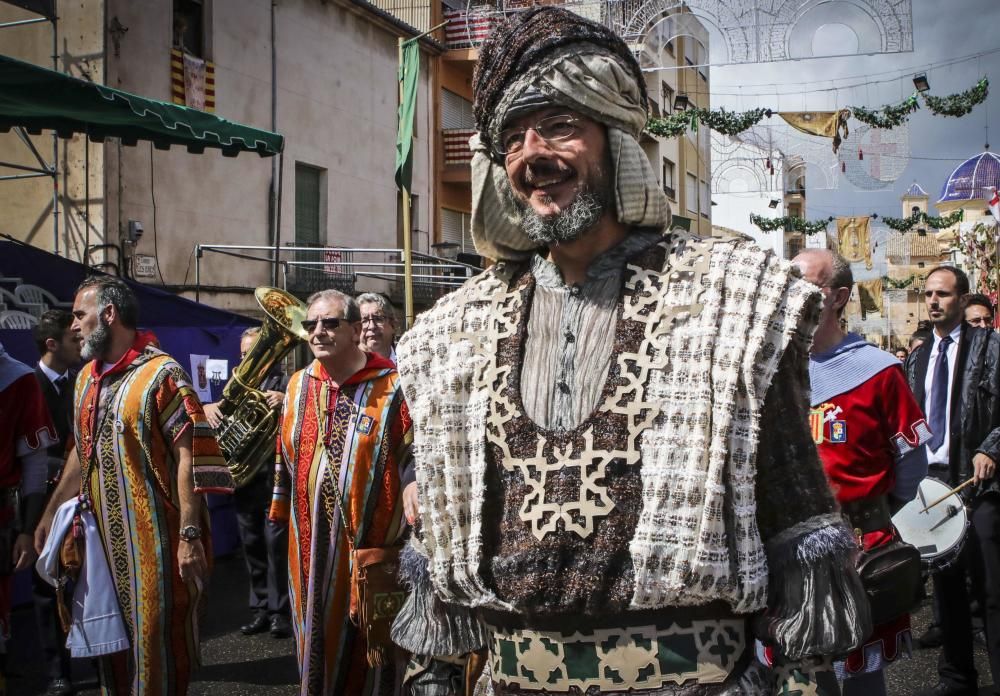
point(326, 323)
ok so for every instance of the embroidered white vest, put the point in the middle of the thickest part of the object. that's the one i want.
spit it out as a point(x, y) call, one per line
point(718, 317)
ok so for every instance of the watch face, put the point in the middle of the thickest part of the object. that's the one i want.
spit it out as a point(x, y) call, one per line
point(190, 533)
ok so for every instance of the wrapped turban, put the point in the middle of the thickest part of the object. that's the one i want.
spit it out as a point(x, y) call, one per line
point(549, 56)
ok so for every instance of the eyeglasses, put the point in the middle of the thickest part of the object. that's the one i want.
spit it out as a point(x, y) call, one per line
point(326, 324)
point(551, 129)
point(377, 319)
point(980, 321)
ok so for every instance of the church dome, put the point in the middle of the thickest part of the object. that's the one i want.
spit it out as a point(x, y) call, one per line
point(972, 179)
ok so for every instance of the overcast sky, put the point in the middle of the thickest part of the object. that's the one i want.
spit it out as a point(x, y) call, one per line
point(943, 31)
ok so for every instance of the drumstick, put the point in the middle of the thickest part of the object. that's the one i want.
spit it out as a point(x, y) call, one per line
point(947, 495)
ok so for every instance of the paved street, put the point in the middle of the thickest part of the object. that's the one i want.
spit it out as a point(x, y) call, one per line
point(238, 665)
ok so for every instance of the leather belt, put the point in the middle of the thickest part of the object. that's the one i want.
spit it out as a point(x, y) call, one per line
point(868, 514)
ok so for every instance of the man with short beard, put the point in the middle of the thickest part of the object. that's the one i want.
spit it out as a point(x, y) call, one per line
point(144, 456)
point(616, 487)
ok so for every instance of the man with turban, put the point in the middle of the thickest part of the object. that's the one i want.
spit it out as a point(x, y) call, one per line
point(618, 490)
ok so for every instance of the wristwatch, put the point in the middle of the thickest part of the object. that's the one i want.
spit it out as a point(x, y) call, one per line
point(190, 533)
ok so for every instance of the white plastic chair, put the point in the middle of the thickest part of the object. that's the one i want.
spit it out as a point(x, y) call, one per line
point(12, 319)
point(34, 297)
point(10, 302)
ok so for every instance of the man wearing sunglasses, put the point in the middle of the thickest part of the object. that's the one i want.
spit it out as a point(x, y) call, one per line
point(611, 443)
point(979, 311)
point(345, 434)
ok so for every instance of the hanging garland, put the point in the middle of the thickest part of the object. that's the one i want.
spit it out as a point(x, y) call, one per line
point(898, 284)
point(790, 223)
point(938, 223)
point(959, 104)
point(720, 120)
point(888, 116)
point(894, 115)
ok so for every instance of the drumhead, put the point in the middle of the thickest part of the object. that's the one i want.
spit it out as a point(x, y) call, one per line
point(938, 532)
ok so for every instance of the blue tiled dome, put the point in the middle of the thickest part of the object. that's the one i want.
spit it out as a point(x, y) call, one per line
point(972, 179)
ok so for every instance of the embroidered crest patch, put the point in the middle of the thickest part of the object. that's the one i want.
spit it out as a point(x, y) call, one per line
point(365, 425)
point(838, 431)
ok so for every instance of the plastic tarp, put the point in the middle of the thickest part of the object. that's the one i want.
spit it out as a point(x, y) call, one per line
point(39, 99)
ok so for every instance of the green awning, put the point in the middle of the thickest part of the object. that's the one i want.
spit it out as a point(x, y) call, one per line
point(38, 99)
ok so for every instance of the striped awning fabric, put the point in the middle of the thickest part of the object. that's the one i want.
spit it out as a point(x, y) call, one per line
point(463, 31)
point(456, 145)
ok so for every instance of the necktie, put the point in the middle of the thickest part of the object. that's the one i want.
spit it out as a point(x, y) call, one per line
point(60, 383)
point(939, 395)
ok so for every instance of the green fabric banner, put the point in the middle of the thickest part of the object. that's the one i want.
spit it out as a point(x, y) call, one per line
point(409, 72)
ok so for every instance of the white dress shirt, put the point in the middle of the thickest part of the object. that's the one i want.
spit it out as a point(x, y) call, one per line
point(940, 455)
point(52, 374)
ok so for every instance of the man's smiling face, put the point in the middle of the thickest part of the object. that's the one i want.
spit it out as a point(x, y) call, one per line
point(549, 177)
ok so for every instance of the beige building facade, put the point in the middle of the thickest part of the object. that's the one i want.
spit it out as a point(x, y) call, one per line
point(323, 73)
point(333, 95)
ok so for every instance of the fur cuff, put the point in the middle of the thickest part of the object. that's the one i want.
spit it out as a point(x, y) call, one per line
point(816, 604)
point(426, 625)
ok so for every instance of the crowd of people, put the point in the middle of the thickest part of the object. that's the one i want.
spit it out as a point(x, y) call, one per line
point(623, 459)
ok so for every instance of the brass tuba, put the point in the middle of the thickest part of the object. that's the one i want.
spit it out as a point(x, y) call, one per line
point(249, 426)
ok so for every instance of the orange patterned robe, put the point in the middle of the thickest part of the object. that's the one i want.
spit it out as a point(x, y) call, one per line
point(359, 434)
point(126, 420)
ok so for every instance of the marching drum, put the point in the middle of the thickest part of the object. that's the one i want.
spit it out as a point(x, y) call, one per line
point(937, 533)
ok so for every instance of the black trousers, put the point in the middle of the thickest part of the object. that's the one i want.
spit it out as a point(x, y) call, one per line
point(265, 547)
point(956, 665)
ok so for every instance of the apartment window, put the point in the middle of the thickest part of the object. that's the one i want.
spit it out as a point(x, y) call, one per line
point(309, 200)
point(668, 179)
point(691, 194)
point(456, 227)
point(705, 200)
point(456, 111)
point(667, 93)
point(189, 27)
point(670, 48)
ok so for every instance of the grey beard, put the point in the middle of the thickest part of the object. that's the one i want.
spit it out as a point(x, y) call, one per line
point(97, 343)
point(564, 226)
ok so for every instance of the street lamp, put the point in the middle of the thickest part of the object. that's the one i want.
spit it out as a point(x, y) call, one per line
point(681, 102)
point(921, 83)
point(773, 203)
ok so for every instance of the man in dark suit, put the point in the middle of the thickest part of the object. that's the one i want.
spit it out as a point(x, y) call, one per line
point(265, 542)
point(59, 349)
point(956, 376)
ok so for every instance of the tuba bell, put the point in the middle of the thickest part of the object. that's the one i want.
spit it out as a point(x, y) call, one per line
point(249, 425)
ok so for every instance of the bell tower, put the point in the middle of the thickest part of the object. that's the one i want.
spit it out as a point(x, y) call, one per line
point(915, 199)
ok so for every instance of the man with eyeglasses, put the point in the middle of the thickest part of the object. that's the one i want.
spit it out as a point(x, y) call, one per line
point(979, 311)
point(617, 485)
point(870, 433)
point(378, 325)
point(345, 435)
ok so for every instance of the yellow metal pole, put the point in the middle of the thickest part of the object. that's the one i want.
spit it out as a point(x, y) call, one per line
point(407, 222)
point(407, 232)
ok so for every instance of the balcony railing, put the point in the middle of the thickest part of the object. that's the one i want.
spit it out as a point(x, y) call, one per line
point(456, 146)
point(416, 13)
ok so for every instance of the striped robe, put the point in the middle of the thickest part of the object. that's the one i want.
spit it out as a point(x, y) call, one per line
point(367, 432)
point(125, 423)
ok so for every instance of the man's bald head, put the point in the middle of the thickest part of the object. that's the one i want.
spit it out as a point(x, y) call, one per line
point(825, 268)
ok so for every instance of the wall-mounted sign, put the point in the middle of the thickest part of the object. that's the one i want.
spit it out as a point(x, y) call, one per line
point(144, 266)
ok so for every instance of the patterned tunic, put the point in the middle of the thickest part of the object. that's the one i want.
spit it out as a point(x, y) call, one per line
point(126, 420)
point(27, 431)
point(359, 434)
